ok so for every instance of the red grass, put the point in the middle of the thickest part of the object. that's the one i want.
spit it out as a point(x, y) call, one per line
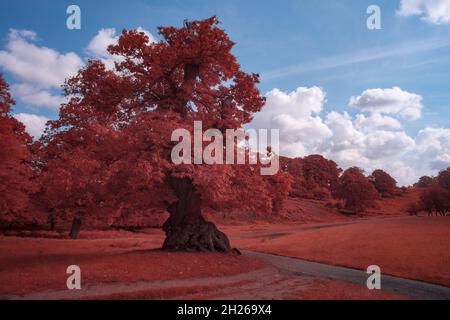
point(29, 265)
point(409, 247)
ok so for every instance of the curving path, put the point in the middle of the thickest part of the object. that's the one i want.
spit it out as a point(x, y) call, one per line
point(293, 266)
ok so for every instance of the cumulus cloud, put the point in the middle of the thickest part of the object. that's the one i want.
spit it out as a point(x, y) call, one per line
point(369, 139)
point(434, 144)
point(36, 65)
point(295, 114)
point(433, 11)
point(369, 146)
point(35, 97)
point(34, 124)
point(362, 144)
point(99, 44)
point(390, 101)
point(373, 147)
point(39, 69)
point(376, 121)
point(98, 47)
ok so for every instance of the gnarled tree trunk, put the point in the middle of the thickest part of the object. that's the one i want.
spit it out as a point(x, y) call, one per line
point(186, 229)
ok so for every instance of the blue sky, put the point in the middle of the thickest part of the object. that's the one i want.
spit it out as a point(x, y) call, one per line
point(292, 44)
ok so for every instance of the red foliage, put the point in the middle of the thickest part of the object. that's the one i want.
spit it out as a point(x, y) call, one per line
point(15, 162)
point(295, 169)
point(321, 175)
point(384, 183)
point(356, 189)
point(313, 176)
point(436, 199)
point(108, 154)
point(444, 178)
point(424, 182)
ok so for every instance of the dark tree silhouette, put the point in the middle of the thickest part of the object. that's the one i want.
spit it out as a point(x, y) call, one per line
point(423, 182)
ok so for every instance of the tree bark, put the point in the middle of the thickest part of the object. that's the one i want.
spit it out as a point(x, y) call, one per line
point(186, 229)
point(75, 229)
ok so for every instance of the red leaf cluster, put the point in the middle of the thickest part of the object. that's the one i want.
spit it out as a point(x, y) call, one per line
point(436, 198)
point(16, 175)
point(314, 177)
point(384, 183)
point(356, 190)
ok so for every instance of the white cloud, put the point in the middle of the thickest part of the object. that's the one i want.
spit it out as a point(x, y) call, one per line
point(41, 66)
point(98, 47)
point(433, 11)
point(383, 144)
point(376, 121)
point(370, 141)
point(344, 134)
point(368, 147)
point(295, 114)
point(34, 97)
point(391, 101)
point(99, 44)
point(40, 69)
point(434, 144)
point(34, 124)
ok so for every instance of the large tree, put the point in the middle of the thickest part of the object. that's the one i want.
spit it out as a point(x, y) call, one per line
point(121, 121)
point(15, 161)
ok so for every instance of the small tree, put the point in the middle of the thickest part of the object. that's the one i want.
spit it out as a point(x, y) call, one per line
point(444, 178)
point(436, 199)
point(423, 182)
point(356, 190)
point(384, 183)
point(413, 209)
